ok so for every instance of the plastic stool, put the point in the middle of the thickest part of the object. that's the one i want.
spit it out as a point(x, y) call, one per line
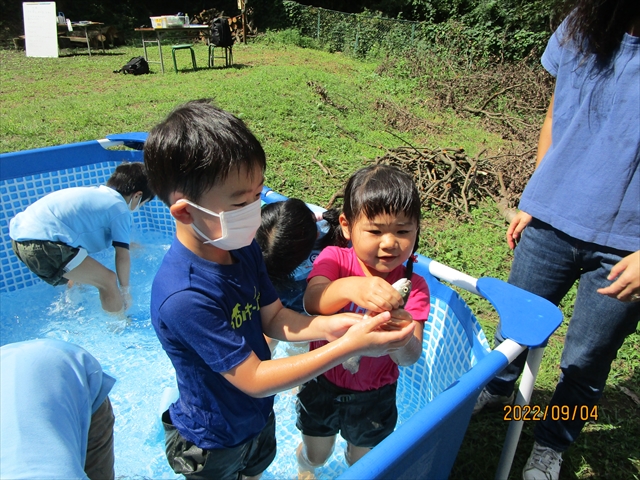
point(228, 55)
point(183, 46)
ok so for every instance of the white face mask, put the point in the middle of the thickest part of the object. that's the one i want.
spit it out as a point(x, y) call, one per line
point(238, 226)
point(137, 204)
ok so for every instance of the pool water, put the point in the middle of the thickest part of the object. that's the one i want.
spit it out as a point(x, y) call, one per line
point(130, 352)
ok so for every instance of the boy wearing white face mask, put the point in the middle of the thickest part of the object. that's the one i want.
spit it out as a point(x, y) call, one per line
point(212, 301)
point(54, 235)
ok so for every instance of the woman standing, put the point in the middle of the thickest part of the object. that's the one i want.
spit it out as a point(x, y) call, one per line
point(579, 216)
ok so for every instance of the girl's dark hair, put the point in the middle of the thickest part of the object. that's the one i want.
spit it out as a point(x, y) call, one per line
point(334, 234)
point(382, 189)
point(286, 237)
point(130, 178)
point(598, 26)
point(196, 147)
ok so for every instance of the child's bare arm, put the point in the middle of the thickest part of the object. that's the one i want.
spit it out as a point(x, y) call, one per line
point(263, 378)
point(323, 296)
point(285, 324)
point(123, 271)
point(123, 266)
point(410, 353)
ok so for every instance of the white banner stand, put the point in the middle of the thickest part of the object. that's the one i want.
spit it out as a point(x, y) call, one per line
point(40, 29)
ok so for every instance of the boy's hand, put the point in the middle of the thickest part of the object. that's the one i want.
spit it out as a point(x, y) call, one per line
point(126, 297)
point(376, 294)
point(399, 319)
point(372, 340)
point(337, 325)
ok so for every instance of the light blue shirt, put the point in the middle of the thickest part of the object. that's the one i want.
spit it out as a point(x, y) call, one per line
point(93, 218)
point(588, 183)
point(48, 391)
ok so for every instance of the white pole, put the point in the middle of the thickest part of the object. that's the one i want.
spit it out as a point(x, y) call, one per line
point(453, 276)
point(534, 358)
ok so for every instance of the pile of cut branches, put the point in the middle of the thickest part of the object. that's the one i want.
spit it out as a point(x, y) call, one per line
point(510, 98)
point(450, 179)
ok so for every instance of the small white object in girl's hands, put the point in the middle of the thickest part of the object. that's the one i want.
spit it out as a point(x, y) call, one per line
point(403, 287)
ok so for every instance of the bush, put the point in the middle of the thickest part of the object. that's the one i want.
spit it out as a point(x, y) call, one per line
point(290, 36)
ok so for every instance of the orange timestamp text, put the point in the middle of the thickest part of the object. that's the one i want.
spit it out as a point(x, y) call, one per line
point(553, 412)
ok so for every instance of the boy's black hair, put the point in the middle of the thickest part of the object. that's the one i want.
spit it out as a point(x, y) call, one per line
point(382, 189)
point(286, 237)
point(129, 178)
point(196, 147)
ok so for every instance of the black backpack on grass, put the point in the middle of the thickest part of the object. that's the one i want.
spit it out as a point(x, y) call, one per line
point(221, 32)
point(135, 66)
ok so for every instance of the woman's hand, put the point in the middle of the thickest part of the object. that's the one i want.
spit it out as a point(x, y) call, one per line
point(518, 224)
point(626, 273)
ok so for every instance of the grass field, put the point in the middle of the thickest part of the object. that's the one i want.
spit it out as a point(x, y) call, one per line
point(275, 89)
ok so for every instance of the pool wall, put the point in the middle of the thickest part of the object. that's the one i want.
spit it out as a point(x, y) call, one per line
point(443, 384)
point(29, 175)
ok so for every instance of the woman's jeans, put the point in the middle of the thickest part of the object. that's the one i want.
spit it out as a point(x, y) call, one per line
point(547, 262)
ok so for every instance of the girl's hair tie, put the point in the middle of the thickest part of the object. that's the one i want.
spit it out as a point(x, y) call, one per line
point(414, 258)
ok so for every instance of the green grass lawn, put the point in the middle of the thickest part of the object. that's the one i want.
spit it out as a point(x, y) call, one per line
point(312, 109)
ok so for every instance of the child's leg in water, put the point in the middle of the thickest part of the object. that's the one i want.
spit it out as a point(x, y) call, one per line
point(312, 453)
point(352, 454)
point(94, 273)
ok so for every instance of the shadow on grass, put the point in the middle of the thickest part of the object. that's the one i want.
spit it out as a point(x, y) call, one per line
point(216, 68)
point(606, 449)
point(72, 53)
point(235, 66)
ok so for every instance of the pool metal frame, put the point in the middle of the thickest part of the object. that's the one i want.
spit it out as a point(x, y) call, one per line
point(426, 446)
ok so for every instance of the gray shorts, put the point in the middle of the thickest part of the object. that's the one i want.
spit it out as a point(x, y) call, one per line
point(100, 455)
point(49, 260)
point(249, 459)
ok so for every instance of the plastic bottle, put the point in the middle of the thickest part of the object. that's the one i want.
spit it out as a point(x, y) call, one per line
point(61, 19)
point(186, 19)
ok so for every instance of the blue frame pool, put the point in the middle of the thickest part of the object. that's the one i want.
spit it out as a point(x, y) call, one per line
point(441, 388)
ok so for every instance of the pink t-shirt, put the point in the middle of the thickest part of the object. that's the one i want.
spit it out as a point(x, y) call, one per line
point(374, 372)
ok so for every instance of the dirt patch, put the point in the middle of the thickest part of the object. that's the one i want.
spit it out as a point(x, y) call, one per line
point(324, 96)
point(400, 118)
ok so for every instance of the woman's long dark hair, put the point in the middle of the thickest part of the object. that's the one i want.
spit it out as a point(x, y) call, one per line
point(598, 26)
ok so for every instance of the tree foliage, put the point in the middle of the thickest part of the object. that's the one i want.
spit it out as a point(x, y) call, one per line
point(505, 28)
point(123, 14)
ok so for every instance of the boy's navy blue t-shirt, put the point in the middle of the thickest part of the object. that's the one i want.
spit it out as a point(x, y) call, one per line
point(207, 317)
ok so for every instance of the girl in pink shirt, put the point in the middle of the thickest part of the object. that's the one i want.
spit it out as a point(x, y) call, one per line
point(381, 219)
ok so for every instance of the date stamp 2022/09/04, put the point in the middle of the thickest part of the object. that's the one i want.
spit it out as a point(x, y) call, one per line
point(553, 412)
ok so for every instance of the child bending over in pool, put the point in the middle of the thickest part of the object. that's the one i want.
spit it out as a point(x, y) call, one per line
point(54, 235)
point(212, 301)
point(56, 419)
point(381, 218)
point(286, 236)
point(291, 236)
